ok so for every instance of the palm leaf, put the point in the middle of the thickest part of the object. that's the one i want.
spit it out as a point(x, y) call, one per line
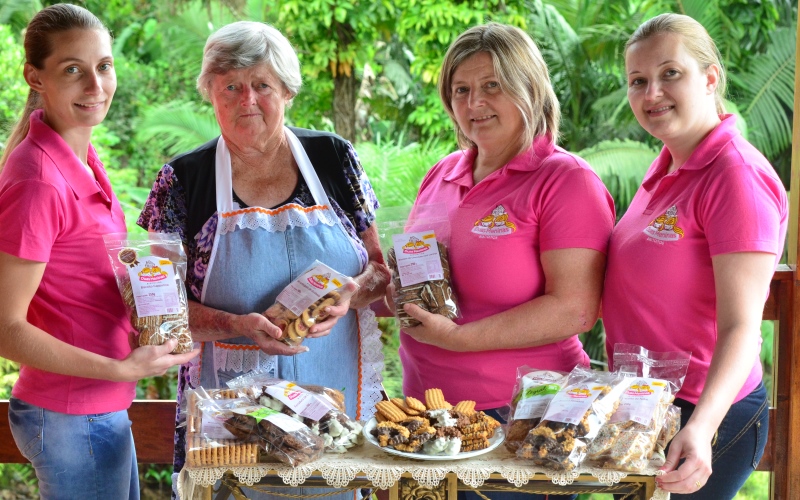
point(177, 127)
point(768, 94)
point(396, 171)
point(621, 165)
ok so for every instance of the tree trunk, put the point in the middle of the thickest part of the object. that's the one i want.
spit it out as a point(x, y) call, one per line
point(344, 86)
point(344, 105)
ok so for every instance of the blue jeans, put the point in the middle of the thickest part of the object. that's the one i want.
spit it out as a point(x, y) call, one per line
point(77, 456)
point(737, 447)
point(509, 495)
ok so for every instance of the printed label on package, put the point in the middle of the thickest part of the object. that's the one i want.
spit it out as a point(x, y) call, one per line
point(309, 287)
point(305, 403)
point(155, 290)
point(639, 402)
point(417, 257)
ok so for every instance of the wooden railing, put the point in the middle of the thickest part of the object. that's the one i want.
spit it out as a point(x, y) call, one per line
point(153, 421)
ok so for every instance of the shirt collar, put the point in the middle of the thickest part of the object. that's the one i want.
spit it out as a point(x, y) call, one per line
point(527, 161)
point(65, 159)
point(703, 155)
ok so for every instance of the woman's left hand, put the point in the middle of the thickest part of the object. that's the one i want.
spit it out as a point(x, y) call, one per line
point(694, 447)
point(435, 329)
point(334, 312)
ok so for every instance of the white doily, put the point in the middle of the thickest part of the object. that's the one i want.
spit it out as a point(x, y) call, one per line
point(371, 362)
point(291, 215)
point(384, 470)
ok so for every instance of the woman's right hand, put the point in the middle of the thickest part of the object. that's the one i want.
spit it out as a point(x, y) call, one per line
point(152, 361)
point(265, 335)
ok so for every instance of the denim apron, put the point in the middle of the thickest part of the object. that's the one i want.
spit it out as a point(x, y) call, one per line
point(255, 254)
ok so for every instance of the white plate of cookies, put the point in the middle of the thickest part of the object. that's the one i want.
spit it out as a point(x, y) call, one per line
point(433, 430)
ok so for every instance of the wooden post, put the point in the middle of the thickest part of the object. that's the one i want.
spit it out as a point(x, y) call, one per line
point(790, 470)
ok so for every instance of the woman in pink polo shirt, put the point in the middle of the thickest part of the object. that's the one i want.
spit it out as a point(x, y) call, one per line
point(690, 263)
point(530, 280)
point(61, 315)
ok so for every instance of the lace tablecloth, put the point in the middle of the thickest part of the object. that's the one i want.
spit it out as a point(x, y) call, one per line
point(384, 470)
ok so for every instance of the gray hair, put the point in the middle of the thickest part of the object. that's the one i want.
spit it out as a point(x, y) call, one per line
point(520, 70)
point(245, 44)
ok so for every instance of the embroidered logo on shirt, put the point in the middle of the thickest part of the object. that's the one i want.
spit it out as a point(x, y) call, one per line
point(319, 280)
point(151, 272)
point(415, 245)
point(495, 224)
point(665, 226)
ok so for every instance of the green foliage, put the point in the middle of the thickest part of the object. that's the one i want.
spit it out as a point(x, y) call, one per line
point(13, 90)
point(177, 127)
point(621, 165)
point(768, 91)
point(396, 171)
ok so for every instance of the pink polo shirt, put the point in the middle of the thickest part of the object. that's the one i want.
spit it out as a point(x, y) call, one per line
point(52, 211)
point(659, 288)
point(544, 199)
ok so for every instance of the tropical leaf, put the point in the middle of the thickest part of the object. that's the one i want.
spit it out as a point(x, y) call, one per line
point(621, 165)
point(177, 127)
point(396, 171)
point(17, 13)
point(768, 94)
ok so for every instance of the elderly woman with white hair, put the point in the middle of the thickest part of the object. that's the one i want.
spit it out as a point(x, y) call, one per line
point(255, 207)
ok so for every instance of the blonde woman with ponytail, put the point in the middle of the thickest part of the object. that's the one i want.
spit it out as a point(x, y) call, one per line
point(61, 316)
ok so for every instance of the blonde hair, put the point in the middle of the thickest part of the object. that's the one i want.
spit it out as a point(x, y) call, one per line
point(38, 47)
point(696, 40)
point(520, 70)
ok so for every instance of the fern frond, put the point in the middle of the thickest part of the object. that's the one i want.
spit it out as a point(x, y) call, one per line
point(768, 91)
point(177, 127)
point(621, 165)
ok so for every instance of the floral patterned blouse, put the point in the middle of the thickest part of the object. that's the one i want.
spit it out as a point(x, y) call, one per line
point(183, 198)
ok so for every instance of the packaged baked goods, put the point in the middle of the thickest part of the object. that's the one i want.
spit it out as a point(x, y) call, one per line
point(417, 258)
point(672, 424)
point(208, 442)
point(573, 418)
point(224, 428)
point(150, 270)
point(321, 409)
point(302, 303)
point(532, 393)
point(627, 441)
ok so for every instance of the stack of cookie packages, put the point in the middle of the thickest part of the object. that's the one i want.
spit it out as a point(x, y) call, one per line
point(220, 452)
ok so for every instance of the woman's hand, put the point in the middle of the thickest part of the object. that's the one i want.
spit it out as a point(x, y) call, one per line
point(265, 335)
point(694, 446)
point(435, 329)
point(372, 282)
point(334, 312)
point(151, 361)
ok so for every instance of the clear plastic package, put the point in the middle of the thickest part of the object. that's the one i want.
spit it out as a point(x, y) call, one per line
point(150, 270)
point(532, 393)
point(319, 408)
point(574, 418)
point(302, 303)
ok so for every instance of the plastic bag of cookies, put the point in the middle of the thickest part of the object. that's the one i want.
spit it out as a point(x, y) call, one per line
point(303, 302)
point(150, 270)
point(417, 258)
point(532, 393)
point(627, 442)
point(321, 409)
point(573, 418)
point(208, 442)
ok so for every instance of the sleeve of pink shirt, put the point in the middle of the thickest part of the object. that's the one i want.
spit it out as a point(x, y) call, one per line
point(745, 210)
point(576, 211)
point(30, 212)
